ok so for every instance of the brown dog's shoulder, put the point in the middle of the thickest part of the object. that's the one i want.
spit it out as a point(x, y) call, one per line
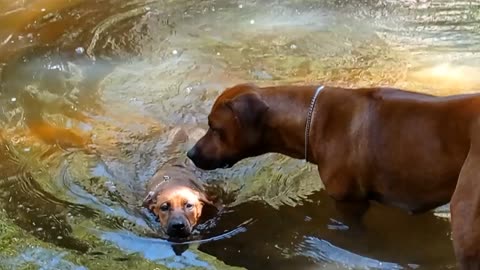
point(389, 93)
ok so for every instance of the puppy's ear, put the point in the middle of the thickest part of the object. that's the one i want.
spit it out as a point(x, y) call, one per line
point(203, 198)
point(150, 199)
point(214, 196)
point(210, 209)
point(248, 108)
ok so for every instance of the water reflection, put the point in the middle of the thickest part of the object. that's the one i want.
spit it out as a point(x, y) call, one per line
point(322, 251)
point(34, 209)
point(90, 90)
point(293, 233)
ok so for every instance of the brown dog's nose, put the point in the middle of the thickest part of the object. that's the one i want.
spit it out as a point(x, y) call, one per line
point(192, 153)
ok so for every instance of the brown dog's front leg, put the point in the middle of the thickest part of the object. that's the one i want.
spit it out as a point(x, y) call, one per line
point(352, 212)
point(465, 212)
point(348, 202)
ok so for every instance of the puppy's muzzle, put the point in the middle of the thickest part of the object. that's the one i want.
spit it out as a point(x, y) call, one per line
point(178, 227)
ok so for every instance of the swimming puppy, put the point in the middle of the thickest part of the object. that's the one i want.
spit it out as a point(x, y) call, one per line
point(178, 199)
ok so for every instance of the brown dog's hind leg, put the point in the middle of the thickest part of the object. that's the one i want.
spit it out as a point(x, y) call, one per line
point(465, 212)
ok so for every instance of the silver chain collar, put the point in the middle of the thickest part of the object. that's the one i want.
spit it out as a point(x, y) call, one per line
point(309, 118)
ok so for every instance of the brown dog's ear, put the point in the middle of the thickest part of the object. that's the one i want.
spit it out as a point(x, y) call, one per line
point(150, 199)
point(249, 108)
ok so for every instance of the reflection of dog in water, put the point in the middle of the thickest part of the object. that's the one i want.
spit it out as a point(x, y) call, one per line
point(177, 198)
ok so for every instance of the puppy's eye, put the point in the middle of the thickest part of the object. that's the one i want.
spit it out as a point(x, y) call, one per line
point(164, 207)
point(189, 205)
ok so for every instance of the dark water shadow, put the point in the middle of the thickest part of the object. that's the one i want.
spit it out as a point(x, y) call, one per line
point(309, 235)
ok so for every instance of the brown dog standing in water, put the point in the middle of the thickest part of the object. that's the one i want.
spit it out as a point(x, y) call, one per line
point(400, 148)
point(177, 197)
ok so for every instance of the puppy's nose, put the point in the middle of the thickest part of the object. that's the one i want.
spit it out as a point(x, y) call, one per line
point(177, 226)
point(192, 153)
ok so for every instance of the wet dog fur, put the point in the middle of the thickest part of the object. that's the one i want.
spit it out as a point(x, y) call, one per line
point(177, 197)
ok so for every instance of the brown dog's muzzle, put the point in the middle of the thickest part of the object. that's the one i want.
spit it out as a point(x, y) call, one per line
point(200, 160)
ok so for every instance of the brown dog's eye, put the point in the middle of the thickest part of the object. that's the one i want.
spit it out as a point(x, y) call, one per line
point(164, 207)
point(189, 205)
point(217, 132)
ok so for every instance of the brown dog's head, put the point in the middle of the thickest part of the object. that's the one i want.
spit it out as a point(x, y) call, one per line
point(177, 207)
point(235, 129)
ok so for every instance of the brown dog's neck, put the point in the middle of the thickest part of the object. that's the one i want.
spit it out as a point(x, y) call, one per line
point(286, 118)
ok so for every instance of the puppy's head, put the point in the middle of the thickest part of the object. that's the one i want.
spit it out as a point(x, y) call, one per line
point(178, 209)
point(235, 128)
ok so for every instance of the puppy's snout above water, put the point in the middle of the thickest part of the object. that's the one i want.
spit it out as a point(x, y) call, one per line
point(178, 227)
